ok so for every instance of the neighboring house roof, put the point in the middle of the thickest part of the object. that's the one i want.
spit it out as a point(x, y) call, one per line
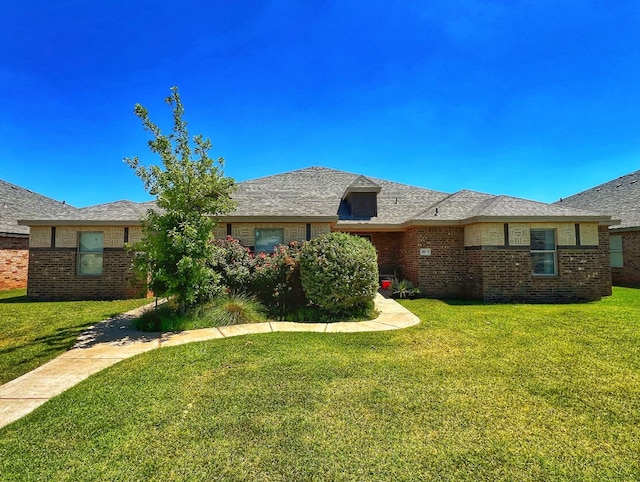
point(316, 194)
point(619, 198)
point(18, 203)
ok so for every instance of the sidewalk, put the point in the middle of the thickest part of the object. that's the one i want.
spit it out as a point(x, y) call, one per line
point(113, 340)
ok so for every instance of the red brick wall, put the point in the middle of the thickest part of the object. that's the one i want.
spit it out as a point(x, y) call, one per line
point(605, 261)
point(629, 274)
point(445, 273)
point(499, 274)
point(389, 246)
point(14, 262)
point(52, 276)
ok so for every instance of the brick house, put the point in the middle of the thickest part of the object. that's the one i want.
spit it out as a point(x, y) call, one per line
point(467, 244)
point(17, 203)
point(619, 198)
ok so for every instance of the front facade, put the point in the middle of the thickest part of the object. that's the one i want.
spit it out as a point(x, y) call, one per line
point(462, 245)
point(619, 198)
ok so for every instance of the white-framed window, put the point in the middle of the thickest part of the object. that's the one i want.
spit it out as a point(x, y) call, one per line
point(544, 260)
point(90, 248)
point(267, 239)
point(615, 249)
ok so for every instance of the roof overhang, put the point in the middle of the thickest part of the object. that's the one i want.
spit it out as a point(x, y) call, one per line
point(364, 227)
point(625, 229)
point(604, 220)
point(13, 235)
point(79, 222)
point(277, 219)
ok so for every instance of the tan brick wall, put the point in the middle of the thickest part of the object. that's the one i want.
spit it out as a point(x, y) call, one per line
point(629, 274)
point(245, 232)
point(67, 236)
point(492, 234)
point(14, 262)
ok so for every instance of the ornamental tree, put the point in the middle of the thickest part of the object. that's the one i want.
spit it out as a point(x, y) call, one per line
point(191, 191)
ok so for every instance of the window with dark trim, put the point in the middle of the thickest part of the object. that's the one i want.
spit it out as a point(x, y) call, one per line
point(268, 239)
point(615, 250)
point(544, 261)
point(90, 248)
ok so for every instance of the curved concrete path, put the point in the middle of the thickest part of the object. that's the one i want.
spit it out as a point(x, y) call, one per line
point(113, 340)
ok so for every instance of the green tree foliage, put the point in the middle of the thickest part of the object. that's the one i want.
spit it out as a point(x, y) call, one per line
point(339, 272)
point(191, 190)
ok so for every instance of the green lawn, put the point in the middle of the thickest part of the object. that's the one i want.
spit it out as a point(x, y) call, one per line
point(32, 333)
point(498, 392)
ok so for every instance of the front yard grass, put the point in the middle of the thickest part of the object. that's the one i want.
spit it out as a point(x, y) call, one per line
point(32, 333)
point(475, 392)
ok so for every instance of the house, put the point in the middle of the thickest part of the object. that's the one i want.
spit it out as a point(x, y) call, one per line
point(467, 244)
point(18, 203)
point(619, 198)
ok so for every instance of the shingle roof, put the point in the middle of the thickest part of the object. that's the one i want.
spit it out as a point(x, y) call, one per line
point(619, 198)
point(317, 192)
point(362, 184)
point(119, 211)
point(17, 203)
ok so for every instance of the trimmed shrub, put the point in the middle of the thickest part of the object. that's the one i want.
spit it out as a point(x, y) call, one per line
point(339, 272)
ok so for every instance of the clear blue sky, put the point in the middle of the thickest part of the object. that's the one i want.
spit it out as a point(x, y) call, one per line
point(538, 99)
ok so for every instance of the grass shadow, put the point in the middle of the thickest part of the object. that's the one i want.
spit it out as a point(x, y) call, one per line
point(16, 299)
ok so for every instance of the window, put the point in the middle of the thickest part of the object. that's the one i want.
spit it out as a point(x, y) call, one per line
point(267, 239)
point(615, 248)
point(543, 252)
point(90, 246)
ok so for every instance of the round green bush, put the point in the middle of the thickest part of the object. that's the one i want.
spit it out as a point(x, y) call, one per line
point(339, 272)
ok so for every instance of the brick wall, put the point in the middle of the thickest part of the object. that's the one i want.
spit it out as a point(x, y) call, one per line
point(445, 272)
point(506, 276)
point(14, 262)
point(605, 261)
point(388, 246)
point(501, 273)
point(52, 276)
point(629, 274)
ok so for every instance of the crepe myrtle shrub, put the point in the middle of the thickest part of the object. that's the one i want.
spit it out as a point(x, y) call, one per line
point(339, 272)
point(234, 263)
point(275, 279)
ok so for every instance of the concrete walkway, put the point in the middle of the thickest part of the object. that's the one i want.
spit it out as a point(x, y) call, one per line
point(113, 340)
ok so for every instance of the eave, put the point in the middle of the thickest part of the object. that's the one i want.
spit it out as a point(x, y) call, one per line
point(79, 222)
point(277, 219)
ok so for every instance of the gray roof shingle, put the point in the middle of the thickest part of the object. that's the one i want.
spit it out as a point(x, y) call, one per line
point(115, 212)
point(317, 192)
point(18, 203)
point(619, 198)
